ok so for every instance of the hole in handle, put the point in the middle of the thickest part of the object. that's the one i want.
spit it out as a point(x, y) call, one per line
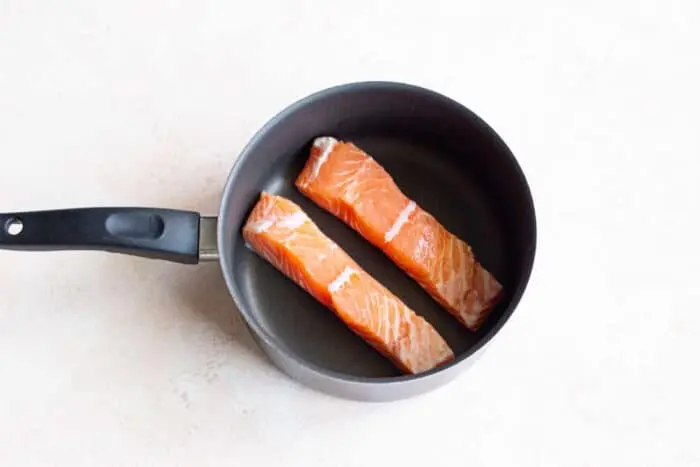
point(14, 226)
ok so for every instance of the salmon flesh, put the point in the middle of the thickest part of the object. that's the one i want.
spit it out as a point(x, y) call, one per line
point(347, 182)
point(281, 232)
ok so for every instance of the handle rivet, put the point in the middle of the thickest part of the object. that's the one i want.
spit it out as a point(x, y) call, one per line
point(14, 226)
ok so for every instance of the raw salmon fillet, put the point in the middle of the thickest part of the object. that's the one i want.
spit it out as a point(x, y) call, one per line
point(349, 183)
point(282, 233)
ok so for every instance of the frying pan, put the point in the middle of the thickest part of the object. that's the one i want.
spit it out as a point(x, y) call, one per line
point(440, 154)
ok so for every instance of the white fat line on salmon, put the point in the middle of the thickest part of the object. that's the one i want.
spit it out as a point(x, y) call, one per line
point(261, 225)
point(326, 145)
point(400, 221)
point(293, 221)
point(342, 279)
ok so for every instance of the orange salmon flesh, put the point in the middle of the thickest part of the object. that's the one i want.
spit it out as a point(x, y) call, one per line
point(350, 184)
point(282, 233)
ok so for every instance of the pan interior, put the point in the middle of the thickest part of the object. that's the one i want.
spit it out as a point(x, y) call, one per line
point(440, 155)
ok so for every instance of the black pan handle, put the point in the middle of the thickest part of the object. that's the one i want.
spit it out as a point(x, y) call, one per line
point(178, 236)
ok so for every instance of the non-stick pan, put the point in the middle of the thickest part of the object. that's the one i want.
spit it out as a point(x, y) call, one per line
point(440, 154)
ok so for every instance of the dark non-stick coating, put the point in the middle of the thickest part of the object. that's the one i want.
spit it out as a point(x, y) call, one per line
point(440, 154)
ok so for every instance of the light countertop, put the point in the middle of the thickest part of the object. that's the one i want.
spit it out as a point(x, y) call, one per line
point(111, 360)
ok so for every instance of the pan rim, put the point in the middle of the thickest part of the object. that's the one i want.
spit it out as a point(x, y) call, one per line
point(364, 86)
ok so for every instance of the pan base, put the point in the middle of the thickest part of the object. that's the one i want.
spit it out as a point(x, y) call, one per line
point(439, 183)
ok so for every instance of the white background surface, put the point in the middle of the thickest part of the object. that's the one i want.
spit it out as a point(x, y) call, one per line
point(110, 360)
